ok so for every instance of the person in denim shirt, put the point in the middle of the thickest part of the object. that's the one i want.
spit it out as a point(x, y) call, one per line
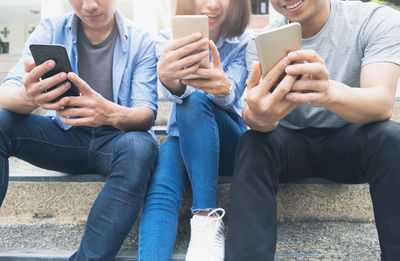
point(90, 133)
point(204, 127)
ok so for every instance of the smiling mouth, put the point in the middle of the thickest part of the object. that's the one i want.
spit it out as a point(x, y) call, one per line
point(293, 6)
point(212, 16)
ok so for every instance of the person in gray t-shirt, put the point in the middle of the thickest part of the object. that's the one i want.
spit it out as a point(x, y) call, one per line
point(332, 123)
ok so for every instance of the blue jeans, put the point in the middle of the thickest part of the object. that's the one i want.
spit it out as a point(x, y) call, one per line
point(206, 147)
point(126, 158)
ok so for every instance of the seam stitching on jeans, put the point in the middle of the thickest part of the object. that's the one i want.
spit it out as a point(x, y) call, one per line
point(217, 138)
point(54, 144)
point(103, 153)
point(39, 140)
point(8, 155)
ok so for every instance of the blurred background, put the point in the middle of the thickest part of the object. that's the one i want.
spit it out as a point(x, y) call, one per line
point(18, 18)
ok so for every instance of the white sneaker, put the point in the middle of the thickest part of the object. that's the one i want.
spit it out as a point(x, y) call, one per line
point(207, 239)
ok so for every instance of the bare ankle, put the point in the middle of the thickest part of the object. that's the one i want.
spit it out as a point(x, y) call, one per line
point(203, 213)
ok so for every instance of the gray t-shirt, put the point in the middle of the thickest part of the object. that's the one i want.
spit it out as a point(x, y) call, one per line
point(356, 34)
point(95, 62)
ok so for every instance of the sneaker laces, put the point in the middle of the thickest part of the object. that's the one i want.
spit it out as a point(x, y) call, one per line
point(213, 215)
point(216, 215)
point(199, 232)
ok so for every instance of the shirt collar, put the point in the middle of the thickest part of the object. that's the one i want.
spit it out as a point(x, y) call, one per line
point(230, 40)
point(122, 27)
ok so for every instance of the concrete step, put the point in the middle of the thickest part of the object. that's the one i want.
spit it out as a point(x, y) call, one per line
point(396, 107)
point(50, 239)
point(304, 202)
point(44, 214)
point(164, 109)
point(34, 192)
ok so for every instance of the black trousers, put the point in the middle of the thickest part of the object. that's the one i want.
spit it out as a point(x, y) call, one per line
point(352, 154)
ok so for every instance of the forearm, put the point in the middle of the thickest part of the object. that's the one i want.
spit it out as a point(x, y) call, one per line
point(138, 118)
point(16, 99)
point(361, 105)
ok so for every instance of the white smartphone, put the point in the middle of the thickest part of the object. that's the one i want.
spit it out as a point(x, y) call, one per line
point(275, 44)
point(184, 25)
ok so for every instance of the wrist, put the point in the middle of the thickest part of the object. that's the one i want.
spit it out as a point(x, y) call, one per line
point(30, 101)
point(265, 127)
point(223, 95)
point(113, 115)
point(176, 87)
point(256, 123)
point(334, 96)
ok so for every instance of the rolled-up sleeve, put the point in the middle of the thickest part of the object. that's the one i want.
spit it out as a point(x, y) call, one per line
point(144, 78)
point(174, 98)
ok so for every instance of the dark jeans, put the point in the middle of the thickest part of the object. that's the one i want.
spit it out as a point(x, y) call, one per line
point(351, 154)
point(126, 158)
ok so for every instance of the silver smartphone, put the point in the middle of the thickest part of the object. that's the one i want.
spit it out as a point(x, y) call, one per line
point(275, 44)
point(184, 25)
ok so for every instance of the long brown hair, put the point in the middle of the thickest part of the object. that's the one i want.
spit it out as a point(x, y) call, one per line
point(236, 21)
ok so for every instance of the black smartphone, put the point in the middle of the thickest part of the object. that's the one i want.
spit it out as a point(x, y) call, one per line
point(56, 52)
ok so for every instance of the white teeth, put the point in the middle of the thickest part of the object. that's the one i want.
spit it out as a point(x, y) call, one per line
point(294, 5)
point(212, 16)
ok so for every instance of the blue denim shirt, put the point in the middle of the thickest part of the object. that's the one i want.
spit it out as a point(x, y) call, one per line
point(134, 63)
point(233, 58)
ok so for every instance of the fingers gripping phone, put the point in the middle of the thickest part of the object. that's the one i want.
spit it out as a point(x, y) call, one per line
point(273, 45)
point(184, 25)
point(44, 52)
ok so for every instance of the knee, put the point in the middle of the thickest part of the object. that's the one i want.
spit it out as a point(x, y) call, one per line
point(257, 143)
point(386, 134)
point(138, 146)
point(8, 122)
point(196, 103)
point(135, 155)
point(249, 139)
point(382, 149)
point(256, 153)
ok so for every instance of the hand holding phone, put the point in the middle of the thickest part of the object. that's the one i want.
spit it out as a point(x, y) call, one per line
point(184, 25)
point(273, 45)
point(44, 52)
